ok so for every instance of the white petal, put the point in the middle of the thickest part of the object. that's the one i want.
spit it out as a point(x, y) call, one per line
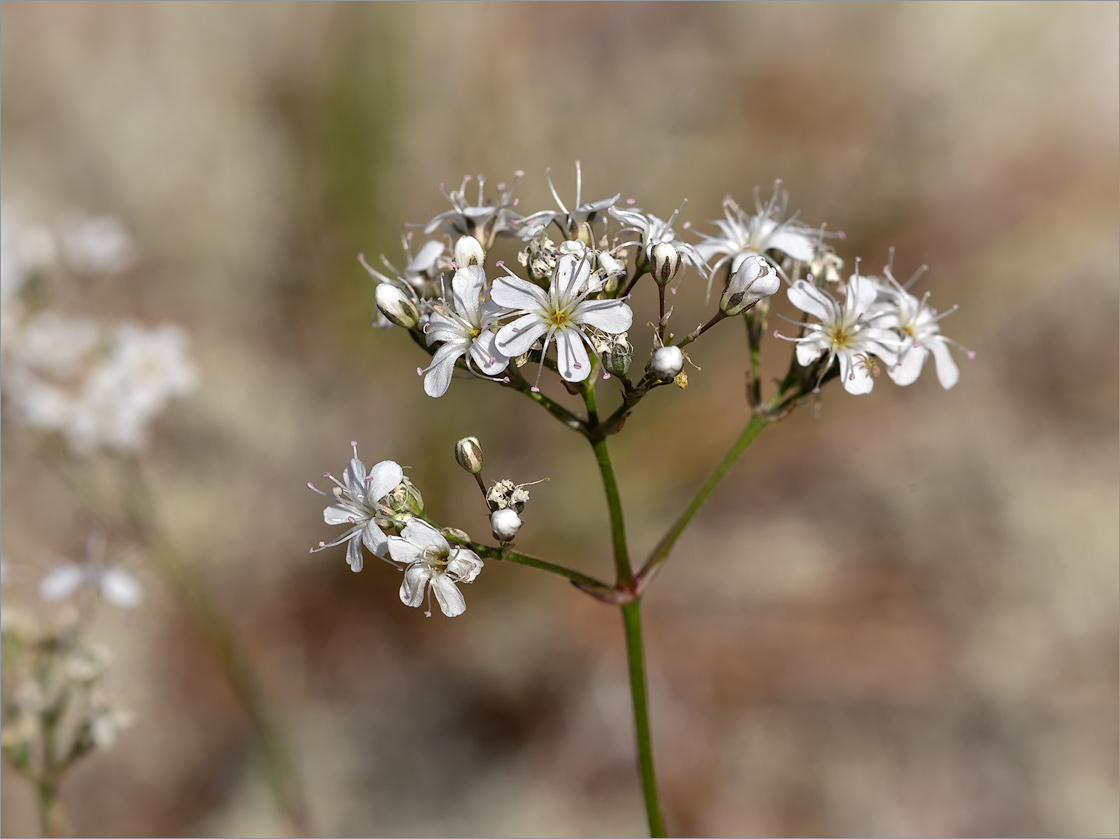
point(426, 538)
point(515, 338)
point(383, 479)
point(438, 377)
point(416, 578)
point(343, 513)
point(426, 258)
point(809, 349)
point(947, 372)
point(354, 554)
point(62, 582)
point(466, 286)
point(909, 367)
point(464, 565)
point(374, 539)
point(404, 552)
point(857, 378)
point(121, 589)
point(612, 316)
point(808, 298)
point(516, 293)
point(571, 356)
point(571, 274)
point(797, 245)
point(354, 478)
point(450, 599)
point(486, 355)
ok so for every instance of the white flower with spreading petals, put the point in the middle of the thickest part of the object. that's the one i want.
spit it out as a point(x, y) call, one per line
point(740, 233)
point(360, 502)
point(568, 221)
point(562, 314)
point(112, 582)
point(917, 323)
point(846, 332)
point(653, 231)
point(432, 565)
point(464, 329)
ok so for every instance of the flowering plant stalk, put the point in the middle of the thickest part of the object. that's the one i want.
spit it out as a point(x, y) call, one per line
point(568, 314)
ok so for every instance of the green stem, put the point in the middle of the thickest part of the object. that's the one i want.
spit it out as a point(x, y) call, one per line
point(661, 552)
point(581, 581)
point(632, 623)
point(614, 505)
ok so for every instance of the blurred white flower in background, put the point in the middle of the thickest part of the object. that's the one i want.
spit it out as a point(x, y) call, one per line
point(112, 582)
point(96, 245)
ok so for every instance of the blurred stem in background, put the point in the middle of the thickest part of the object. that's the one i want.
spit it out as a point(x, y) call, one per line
point(205, 615)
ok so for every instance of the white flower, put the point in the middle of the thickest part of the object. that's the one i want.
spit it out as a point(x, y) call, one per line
point(563, 314)
point(430, 562)
point(113, 583)
point(766, 230)
point(917, 324)
point(484, 220)
point(569, 222)
point(844, 332)
point(93, 245)
point(464, 330)
point(360, 502)
point(654, 231)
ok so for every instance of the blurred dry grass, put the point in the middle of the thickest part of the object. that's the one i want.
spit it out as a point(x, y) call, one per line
point(898, 620)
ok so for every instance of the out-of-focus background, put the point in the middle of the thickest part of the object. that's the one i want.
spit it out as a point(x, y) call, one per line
point(899, 618)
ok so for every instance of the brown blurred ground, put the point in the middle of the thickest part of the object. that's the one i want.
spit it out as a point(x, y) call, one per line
point(900, 619)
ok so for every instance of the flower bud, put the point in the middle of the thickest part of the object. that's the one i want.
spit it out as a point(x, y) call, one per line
point(665, 262)
point(396, 305)
point(406, 500)
point(617, 360)
point(468, 452)
point(610, 265)
point(504, 524)
point(469, 251)
point(454, 534)
point(753, 279)
point(667, 362)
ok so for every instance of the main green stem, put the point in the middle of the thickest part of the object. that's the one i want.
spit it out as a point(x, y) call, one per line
point(632, 624)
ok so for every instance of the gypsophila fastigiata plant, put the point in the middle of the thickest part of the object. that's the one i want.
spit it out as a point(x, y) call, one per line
point(568, 313)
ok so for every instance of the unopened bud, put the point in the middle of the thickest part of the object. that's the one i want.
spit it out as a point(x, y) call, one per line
point(611, 266)
point(468, 452)
point(667, 362)
point(469, 251)
point(396, 305)
point(753, 279)
point(665, 262)
point(617, 359)
point(454, 534)
point(504, 524)
point(406, 499)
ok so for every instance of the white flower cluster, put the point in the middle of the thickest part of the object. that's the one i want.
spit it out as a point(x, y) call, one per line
point(578, 286)
point(878, 319)
point(582, 266)
point(98, 386)
point(380, 502)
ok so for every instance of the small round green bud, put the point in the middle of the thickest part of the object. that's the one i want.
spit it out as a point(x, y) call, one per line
point(396, 305)
point(406, 500)
point(617, 360)
point(468, 452)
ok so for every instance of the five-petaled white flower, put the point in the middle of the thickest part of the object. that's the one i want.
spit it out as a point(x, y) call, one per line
point(844, 332)
point(653, 231)
point(464, 330)
point(431, 564)
point(916, 322)
point(360, 502)
point(561, 314)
